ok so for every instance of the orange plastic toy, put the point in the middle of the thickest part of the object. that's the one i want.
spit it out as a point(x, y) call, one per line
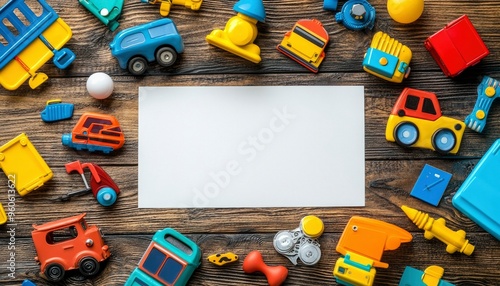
point(254, 262)
point(67, 244)
point(362, 243)
point(95, 132)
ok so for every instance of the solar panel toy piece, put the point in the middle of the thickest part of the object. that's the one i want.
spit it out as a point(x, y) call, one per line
point(478, 197)
point(431, 185)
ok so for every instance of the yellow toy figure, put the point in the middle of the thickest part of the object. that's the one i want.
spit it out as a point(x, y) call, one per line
point(455, 240)
point(165, 5)
point(241, 30)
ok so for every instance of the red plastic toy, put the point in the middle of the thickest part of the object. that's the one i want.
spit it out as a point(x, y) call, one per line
point(102, 186)
point(457, 46)
point(68, 244)
point(254, 262)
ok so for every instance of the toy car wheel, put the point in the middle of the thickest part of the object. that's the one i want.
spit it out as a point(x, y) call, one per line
point(166, 56)
point(54, 272)
point(137, 65)
point(106, 196)
point(444, 140)
point(406, 134)
point(88, 266)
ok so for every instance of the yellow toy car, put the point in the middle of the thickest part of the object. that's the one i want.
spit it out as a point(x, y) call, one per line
point(416, 121)
point(387, 58)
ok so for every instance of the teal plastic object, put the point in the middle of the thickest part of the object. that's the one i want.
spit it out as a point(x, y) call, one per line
point(251, 8)
point(413, 277)
point(479, 197)
point(107, 11)
point(170, 259)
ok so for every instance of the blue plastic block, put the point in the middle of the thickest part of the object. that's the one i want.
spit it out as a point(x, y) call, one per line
point(330, 5)
point(479, 196)
point(56, 110)
point(431, 185)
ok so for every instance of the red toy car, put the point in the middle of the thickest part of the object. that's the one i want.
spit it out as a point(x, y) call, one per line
point(456, 47)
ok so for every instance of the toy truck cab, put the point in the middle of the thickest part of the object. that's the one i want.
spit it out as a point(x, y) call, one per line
point(95, 132)
point(416, 121)
point(68, 244)
point(135, 47)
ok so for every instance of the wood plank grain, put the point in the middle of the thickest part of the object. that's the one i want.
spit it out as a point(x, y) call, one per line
point(391, 170)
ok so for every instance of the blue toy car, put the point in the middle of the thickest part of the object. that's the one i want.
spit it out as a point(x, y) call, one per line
point(135, 47)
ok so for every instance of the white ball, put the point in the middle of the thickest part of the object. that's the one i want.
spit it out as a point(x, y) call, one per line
point(100, 85)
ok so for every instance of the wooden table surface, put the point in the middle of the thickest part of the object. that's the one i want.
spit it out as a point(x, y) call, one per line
point(391, 170)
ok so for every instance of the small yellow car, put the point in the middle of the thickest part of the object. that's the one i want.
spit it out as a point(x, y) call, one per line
point(416, 121)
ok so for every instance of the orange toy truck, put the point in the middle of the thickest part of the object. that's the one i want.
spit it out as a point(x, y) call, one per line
point(68, 244)
point(95, 132)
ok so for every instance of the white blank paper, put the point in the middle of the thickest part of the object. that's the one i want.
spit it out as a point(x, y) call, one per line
point(251, 146)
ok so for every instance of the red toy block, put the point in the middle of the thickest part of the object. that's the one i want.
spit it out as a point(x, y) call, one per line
point(254, 262)
point(457, 46)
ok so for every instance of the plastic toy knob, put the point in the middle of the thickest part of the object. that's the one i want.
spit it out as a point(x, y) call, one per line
point(312, 226)
point(405, 11)
point(240, 32)
point(66, 139)
point(490, 91)
point(480, 114)
point(309, 254)
point(283, 242)
point(106, 196)
point(254, 262)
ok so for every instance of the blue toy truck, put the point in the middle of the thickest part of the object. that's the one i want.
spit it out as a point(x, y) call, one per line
point(135, 47)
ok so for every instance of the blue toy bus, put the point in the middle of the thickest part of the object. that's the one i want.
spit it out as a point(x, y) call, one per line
point(170, 259)
point(135, 47)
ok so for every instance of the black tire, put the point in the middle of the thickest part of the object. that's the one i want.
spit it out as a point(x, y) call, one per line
point(137, 65)
point(88, 266)
point(450, 140)
point(166, 56)
point(54, 272)
point(399, 130)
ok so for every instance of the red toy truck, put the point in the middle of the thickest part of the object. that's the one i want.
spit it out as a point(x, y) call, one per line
point(68, 244)
point(456, 47)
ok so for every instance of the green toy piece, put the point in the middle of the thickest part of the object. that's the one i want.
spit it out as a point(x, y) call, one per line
point(107, 11)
